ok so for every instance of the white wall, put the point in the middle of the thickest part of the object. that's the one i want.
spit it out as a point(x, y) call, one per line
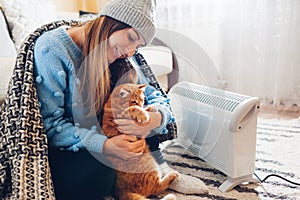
point(76, 5)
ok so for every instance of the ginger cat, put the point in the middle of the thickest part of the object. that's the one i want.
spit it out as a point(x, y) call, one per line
point(136, 178)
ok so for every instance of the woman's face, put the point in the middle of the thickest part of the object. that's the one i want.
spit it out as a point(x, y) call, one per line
point(123, 43)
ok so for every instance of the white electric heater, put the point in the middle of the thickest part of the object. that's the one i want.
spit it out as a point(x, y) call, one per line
point(218, 126)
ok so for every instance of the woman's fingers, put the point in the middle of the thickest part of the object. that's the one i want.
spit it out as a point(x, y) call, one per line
point(135, 145)
point(124, 122)
point(134, 149)
point(130, 127)
point(125, 146)
point(130, 138)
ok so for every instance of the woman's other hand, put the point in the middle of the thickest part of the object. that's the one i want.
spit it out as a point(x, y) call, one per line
point(124, 146)
point(131, 127)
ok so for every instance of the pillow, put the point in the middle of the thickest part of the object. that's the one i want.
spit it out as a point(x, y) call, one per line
point(7, 49)
point(24, 16)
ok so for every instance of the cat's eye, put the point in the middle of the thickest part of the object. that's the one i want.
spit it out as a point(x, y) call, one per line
point(123, 93)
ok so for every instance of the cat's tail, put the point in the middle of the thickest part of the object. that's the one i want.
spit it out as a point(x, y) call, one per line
point(136, 196)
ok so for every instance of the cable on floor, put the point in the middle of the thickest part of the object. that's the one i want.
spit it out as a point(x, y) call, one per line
point(270, 175)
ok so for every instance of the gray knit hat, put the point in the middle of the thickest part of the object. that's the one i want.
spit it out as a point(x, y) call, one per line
point(139, 14)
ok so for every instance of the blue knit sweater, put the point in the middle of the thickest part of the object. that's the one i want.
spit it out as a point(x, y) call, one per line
point(56, 59)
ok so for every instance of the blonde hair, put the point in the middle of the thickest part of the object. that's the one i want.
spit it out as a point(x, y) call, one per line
point(95, 87)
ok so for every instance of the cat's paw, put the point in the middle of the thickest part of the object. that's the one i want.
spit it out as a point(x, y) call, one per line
point(151, 109)
point(174, 175)
point(171, 176)
point(139, 114)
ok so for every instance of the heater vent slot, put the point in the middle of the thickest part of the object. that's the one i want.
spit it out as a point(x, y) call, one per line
point(211, 96)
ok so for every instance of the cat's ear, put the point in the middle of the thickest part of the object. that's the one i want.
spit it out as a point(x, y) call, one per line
point(123, 93)
point(142, 86)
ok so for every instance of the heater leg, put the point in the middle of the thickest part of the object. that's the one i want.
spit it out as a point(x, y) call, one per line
point(232, 182)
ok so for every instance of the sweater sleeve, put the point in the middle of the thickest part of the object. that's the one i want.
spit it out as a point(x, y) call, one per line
point(155, 98)
point(53, 75)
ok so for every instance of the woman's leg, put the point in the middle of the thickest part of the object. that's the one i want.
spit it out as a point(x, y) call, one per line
point(78, 175)
point(153, 145)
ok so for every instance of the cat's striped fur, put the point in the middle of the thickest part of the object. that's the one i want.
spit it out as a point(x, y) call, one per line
point(136, 178)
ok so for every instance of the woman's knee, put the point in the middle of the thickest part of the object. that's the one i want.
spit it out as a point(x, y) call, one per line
point(79, 175)
point(107, 181)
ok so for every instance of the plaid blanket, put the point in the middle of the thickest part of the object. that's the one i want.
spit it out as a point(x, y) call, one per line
point(24, 167)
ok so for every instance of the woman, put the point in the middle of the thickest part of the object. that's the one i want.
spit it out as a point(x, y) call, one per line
point(74, 61)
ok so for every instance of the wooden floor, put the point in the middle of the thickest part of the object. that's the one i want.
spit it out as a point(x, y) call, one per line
point(270, 111)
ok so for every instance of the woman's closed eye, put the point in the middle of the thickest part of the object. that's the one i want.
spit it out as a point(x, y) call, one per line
point(131, 38)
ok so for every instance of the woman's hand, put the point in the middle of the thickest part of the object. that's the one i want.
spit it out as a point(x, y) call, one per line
point(131, 127)
point(124, 146)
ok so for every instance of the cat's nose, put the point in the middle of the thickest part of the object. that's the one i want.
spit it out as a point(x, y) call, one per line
point(134, 103)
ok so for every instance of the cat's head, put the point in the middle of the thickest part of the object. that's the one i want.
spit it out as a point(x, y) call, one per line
point(129, 94)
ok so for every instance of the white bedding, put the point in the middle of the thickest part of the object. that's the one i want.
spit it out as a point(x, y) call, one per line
point(7, 48)
point(7, 56)
point(6, 69)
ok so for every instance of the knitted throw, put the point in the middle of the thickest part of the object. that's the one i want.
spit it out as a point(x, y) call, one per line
point(24, 166)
